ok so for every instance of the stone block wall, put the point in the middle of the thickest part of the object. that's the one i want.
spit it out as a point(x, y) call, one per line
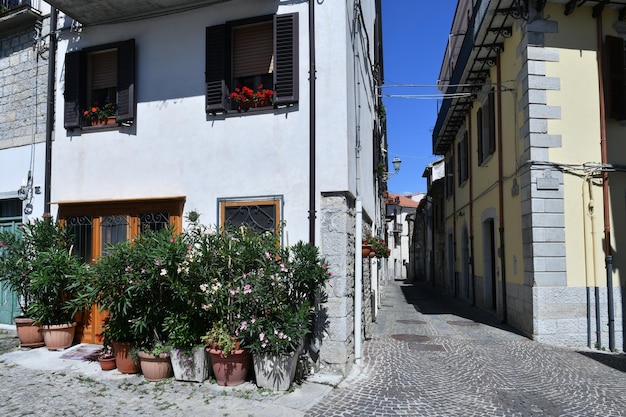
point(23, 87)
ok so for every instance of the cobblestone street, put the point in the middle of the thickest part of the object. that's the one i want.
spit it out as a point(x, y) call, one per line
point(431, 355)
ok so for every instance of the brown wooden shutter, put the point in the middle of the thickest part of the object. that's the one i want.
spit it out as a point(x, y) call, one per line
point(253, 50)
point(72, 91)
point(215, 67)
point(103, 70)
point(492, 123)
point(615, 78)
point(286, 59)
point(480, 139)
point(126, 81)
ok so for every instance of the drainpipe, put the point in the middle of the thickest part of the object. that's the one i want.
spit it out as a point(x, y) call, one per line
point(358, 280)
point(52, 53)
point(501, 187)
point(312, 75)
point(605, 188)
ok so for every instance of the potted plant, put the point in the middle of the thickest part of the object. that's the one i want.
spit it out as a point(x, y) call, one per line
point(288, 284)
point(106, 358)
point(133, 282)
point(246, 97)
point(229, 362)
point(57, 278)
point(15, 270)
point(155, 363)
point(98, 115)
point(378, 247)
point(228, 258)
point(188, 320)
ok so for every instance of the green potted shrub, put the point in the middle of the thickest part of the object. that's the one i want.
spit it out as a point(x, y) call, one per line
point(133, 283)
point(15, 274)
point(287, 286)
point(56, 279)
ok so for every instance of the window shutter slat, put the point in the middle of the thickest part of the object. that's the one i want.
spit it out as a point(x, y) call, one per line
point(481, 135)
point(615, 78)
point(253, 50)
point(286, 59)
point(126, 81)
point(104, 70)
point(215, 75)
point(72, 90)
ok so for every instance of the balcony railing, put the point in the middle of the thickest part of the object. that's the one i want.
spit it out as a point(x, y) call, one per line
point(7, 6)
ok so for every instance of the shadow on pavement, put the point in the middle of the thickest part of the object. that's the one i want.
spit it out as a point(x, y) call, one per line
point(432, 301)
point(612, 360)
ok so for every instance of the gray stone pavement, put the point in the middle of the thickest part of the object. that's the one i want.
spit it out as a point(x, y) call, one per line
point(431, 355)
point(38, 382)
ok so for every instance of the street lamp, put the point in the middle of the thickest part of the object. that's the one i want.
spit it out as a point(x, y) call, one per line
point(396, 162)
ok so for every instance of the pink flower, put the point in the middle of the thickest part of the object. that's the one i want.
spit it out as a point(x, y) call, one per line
point(324, 266)
point(261, 336)
point(267, 255)
point(247, 289)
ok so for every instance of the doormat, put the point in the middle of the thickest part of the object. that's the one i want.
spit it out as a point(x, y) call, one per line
point(83, 353)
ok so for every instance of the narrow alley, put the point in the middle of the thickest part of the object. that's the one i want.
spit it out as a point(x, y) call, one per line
point(432, 355)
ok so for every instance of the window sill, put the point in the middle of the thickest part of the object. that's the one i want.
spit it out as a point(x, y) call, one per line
point(115, 126)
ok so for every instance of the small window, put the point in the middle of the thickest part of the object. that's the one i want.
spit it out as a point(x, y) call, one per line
point(98, 77)
point(258, 54)
point(260, 215)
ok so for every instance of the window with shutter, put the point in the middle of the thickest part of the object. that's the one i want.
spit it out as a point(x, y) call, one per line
point(486, 126)
point(252, 62)
point(95, 77)
point(615, 78)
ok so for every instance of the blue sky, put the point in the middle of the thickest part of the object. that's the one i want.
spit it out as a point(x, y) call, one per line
point(415, 33)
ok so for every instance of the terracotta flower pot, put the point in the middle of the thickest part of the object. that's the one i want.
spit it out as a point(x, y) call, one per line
point(230, 370)
point(155, 367)
point(58, 336)
point(123, 360)
point(107, 364)
point(29, 334)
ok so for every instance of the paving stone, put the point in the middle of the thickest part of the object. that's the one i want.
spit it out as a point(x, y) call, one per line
point(473, 366)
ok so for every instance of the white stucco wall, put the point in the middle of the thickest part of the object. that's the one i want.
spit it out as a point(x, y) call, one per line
point(175, 149)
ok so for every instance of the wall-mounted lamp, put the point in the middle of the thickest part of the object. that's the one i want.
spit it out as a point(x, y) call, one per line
point(396, 162)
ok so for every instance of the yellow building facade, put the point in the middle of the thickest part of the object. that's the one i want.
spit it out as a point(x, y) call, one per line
point(533, 131)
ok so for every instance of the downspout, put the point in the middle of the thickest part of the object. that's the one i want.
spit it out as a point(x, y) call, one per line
point(52, 53)
point(471, 205)
point(358, 280)
point(312, 76)
point(605, 187)
point(358, 240)
point(501, 187)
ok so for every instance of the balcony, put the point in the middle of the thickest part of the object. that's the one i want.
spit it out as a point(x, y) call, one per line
point(99, 12)
point(17, 13)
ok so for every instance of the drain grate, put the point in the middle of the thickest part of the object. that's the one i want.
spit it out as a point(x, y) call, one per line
point(411, 338)
point(411, 321)
point(462, 323)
